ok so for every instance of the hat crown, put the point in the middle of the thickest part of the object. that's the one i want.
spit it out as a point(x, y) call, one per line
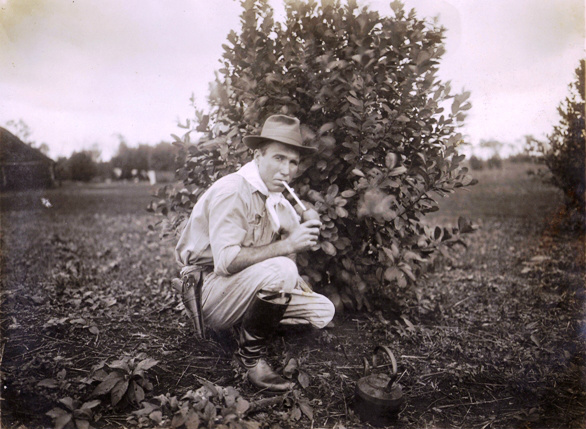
point(282, 128)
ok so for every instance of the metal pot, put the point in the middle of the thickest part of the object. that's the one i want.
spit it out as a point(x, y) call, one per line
point(378, 399)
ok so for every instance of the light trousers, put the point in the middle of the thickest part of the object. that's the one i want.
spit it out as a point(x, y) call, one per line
point(226, 299)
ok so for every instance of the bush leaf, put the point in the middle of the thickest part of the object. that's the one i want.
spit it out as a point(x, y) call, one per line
point(120, 364)
point(328, 248)
point(56, 412)
point(82, 424)
point(105, 386)
point(62, 420)
point(306, 409)
point(145, 364)
point(192, 420)
point(303, 380)
point(118, 391)
point(50, 383)
point(91, 404)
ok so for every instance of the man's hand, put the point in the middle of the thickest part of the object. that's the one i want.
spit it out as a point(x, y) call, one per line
point(304, 236)
point(301, 238)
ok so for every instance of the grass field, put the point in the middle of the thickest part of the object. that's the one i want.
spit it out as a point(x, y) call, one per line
point(494, 338)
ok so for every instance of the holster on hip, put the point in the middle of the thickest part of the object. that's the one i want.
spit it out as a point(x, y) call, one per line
point(191, 297)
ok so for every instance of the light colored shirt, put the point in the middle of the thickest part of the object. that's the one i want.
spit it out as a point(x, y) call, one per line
point(230, 215)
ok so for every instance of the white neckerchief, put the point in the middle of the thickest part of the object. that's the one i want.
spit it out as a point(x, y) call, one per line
point(274, 199)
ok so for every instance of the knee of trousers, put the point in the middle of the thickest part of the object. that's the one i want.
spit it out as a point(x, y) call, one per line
point(281, 274)
point(325, 312)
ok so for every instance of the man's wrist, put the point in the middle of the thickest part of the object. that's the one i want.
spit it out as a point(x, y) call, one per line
point(285, 247)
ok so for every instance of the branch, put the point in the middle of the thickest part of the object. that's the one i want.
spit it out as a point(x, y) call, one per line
point(265, 403)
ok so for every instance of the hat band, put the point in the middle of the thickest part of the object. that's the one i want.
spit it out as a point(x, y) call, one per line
point(282, 138)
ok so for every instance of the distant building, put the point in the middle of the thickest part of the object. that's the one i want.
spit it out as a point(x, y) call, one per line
point(21, 166)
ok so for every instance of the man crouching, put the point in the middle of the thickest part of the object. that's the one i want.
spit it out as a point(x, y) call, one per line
point(239, 237)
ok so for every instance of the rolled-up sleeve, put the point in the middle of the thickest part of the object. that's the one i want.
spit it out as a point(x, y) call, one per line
point(228, 227)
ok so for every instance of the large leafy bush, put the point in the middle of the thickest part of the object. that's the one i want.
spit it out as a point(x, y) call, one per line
point(365, 88)
point(564, 153)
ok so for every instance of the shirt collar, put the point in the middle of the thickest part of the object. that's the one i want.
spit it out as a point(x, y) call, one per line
point(251, 174)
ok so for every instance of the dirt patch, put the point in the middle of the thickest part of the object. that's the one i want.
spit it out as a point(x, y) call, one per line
point(492, 338)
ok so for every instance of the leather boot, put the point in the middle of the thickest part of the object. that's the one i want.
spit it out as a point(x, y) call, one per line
point(258, 326)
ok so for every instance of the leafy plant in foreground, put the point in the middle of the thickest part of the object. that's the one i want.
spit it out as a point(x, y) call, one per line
point(365, 88)
point(210, 405)
point(60, 381)
point(75, 413)
point(127, 380)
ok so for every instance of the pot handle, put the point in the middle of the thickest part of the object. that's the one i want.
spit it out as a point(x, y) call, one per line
point(366, 366)
point(390, 354)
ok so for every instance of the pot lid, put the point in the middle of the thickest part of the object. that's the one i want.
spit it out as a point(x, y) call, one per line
point(374, 387)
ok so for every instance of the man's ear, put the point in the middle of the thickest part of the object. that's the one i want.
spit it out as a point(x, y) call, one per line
point(256, 154)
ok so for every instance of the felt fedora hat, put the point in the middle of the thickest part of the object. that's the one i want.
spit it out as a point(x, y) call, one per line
point(282, 129)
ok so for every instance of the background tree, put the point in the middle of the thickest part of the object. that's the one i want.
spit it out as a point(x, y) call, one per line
point(128, 159)
point(81, 166)
point(494, 145)
point(564, 153)
point(365, 88)
point(495, 161)
point(21, 130)
point(476, 163)
point(62, 169)
point(163, 157)
point(104, 170)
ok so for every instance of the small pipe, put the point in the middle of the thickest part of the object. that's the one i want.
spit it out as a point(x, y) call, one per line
point(292, 192)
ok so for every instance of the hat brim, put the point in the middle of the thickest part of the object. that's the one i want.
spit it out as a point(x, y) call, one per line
point(253, 142)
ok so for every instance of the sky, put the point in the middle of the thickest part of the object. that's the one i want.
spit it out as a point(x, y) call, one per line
point(83, 73)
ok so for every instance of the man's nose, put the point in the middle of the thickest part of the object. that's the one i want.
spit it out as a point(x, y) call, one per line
point(285, 169)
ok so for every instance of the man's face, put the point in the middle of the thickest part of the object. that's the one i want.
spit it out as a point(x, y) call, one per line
point(278, 163)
